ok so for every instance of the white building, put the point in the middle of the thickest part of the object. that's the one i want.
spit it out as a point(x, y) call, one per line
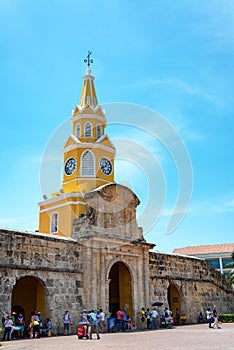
point(217, 255)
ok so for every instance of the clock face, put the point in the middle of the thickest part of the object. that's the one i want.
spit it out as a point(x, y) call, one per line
point(70, 166)
point(106, 166)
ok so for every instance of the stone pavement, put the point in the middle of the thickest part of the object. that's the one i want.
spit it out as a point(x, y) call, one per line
point(192, 337)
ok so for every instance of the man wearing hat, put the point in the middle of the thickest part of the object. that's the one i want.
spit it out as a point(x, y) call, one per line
point(13, 314)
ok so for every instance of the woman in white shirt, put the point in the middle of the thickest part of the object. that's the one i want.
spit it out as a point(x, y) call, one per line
point(209, 317)
point(7, 328)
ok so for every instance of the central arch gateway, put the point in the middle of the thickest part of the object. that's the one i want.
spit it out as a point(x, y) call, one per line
point(120, 289)
point(113, 251)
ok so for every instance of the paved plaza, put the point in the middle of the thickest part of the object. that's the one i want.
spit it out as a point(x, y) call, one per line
point(192, 337)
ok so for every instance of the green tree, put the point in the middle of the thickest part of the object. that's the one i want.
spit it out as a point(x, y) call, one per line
point(230, 275)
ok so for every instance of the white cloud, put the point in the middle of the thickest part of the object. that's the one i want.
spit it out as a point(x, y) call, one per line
point(29, 223)
point(177, 84)
point(213, 206)
point(224, 206)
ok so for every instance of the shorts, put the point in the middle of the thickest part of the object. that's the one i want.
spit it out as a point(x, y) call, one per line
point(66, 326)
point(21, 328)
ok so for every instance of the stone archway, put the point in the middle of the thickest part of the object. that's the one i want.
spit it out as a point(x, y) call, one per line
point(28, 295)
point(174, 298)
point(120, 289)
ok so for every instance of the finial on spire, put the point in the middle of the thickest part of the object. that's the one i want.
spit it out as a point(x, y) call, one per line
point(89, 61)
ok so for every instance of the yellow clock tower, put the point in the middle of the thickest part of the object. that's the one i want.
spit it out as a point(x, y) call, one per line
point(88, 162)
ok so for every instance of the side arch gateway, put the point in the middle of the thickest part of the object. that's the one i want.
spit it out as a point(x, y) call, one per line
point(28, 295)
point(174, 298)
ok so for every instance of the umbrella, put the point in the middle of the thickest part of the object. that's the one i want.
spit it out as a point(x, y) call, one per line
point(157, 303)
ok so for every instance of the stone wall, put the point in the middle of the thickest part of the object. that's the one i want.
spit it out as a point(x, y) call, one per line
point(54, 261)
point(75, 274)
point(200, 285)
point(111, 209)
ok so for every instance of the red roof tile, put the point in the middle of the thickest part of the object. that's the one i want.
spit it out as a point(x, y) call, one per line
point(206, 249)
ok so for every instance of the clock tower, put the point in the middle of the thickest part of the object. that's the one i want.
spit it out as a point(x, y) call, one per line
point(88, 161)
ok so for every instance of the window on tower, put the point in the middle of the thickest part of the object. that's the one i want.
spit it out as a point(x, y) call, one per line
point(88, 129)
point(99, 131)
point(87, 164)
point(78, 131)
point(54, 223)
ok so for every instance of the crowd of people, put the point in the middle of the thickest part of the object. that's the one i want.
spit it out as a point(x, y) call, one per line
point(94, 322)
point(151, 319)
point(14, 325)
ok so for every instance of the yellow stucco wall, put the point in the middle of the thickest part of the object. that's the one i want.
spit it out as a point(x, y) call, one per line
point(125, 289)
point(68, 208)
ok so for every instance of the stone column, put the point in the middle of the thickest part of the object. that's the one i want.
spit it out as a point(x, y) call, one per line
point(6, 296)
point(93, 279)
point(102, 289)
point(86, 267)
point(139, 292)
point(146, 276)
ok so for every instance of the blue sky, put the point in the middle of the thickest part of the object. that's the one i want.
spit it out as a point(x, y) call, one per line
point(171, 57)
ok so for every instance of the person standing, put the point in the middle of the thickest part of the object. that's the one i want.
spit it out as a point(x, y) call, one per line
point(94, 320)
point(154, 315)
point(66, 322)
point(148, 319)
point(119, 319)
point(48, 327)
point(40, 321)
point(216, 318)
point(98, 321)
point(8, 324)
point(143, 317)
point(13, 316)
point(102, 320)
point(177, 316)
point(85, 318)
point(124, 320)
point(209, 316)
point(35, 324)
point(20, 322)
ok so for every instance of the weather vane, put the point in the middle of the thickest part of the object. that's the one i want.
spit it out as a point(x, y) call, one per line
point(88, 59)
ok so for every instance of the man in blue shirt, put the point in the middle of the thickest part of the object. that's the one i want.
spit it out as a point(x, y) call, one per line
point(94, 320)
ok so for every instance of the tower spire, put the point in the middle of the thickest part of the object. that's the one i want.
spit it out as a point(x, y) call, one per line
point(88, 93)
